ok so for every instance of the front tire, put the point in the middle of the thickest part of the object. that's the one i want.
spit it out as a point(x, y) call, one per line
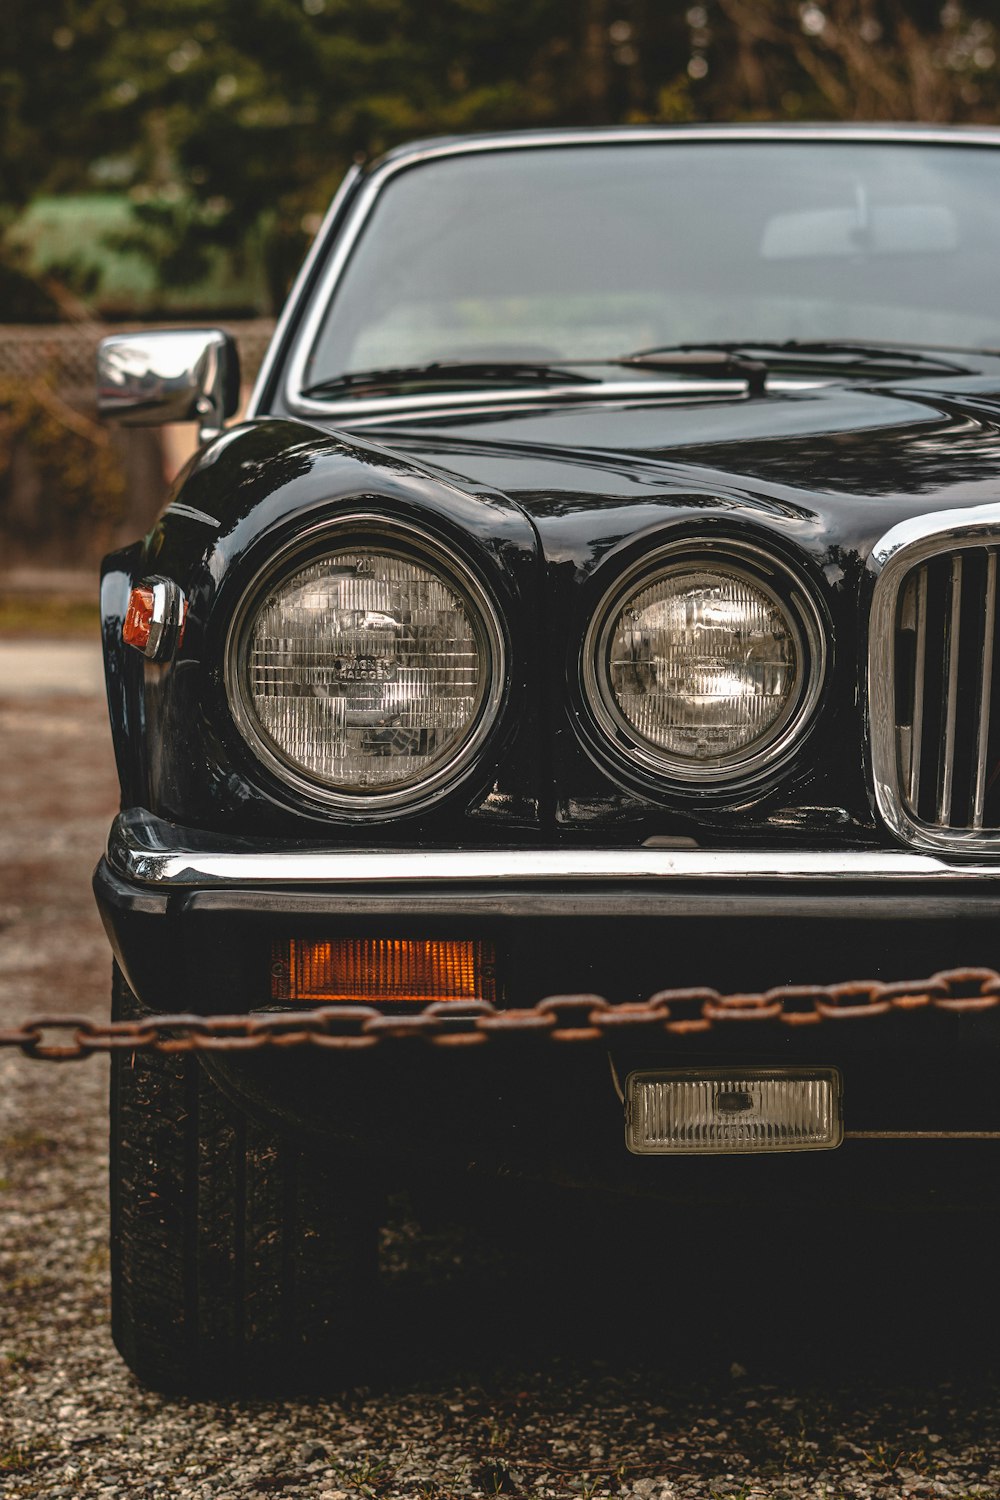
point(239, 1258)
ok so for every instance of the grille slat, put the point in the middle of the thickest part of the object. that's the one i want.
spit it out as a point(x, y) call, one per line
point(949, 717)
point(985, 693)
point(946, 662)
point(918, 694)
point(913, 617)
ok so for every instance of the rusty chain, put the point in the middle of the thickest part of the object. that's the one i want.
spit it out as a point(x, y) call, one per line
point(561, 1018)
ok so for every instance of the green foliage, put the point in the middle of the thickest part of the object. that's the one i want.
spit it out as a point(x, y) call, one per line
point(77, 484)
point(229, 122)
point(22, 298)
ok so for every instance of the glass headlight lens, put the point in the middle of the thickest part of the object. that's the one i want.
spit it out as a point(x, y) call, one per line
point(704, 669)
point(369, 672)
point(702, 664)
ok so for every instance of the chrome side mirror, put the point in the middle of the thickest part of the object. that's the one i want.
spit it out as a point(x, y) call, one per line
point(174, 375)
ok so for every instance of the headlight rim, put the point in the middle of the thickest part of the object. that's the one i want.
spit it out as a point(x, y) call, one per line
point(410, 541)
point(765, 569)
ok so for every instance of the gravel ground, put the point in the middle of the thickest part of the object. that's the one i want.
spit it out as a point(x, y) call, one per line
point(647, 1370)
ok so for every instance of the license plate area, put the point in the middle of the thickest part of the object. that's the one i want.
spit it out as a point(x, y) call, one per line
point(733, 1111)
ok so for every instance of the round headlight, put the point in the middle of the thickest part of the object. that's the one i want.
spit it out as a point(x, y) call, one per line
point(369, 675)
point(705, 667)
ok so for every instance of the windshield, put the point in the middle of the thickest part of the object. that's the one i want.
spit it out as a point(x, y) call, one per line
point(588, 252)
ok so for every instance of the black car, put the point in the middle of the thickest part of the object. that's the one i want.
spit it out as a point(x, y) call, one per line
point(598, 597)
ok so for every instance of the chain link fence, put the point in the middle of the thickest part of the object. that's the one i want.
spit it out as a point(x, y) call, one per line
point(71, 487)
point(64, 354)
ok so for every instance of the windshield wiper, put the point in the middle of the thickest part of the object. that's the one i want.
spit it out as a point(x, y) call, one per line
point(720, 360)
point(742, 360)
point(449, 372)
point(842, 353)
point(704, 360)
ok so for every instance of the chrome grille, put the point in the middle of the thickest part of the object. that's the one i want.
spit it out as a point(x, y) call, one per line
point(944, 689)
point(934, 697)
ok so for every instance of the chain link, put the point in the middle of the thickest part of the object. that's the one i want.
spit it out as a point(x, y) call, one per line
point(562, 1019)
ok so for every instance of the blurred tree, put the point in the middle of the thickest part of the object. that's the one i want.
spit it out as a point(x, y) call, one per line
point(860, 59)
point(63, 485)
point(237, 118)
point(48, 134)
point(229, 122)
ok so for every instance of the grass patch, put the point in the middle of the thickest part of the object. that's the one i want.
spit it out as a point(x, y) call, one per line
point(31, 1143)
point(887, 1458)
point(368, 1471)
point(20, 1459)
point(97, 1260)
point(24, 615)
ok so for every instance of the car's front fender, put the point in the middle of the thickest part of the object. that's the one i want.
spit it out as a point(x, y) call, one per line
point(240, 500)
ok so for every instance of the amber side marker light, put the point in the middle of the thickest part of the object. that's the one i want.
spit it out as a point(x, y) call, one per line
point(138, 618)
point(370, 971)
point(155, 618)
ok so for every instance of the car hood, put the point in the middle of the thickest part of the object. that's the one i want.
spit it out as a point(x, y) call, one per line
point(840, 450)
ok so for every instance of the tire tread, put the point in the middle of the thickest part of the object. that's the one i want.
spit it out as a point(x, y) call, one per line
point(238, 1257)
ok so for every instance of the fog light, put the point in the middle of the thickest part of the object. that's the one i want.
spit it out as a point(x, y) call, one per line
point(382, 970)
point(733, 1110)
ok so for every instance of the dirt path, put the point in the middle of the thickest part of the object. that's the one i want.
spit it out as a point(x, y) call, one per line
point(593, 1381)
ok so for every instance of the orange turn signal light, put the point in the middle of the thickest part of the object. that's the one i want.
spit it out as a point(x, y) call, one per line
point(138, 617)
point(155, 617)
point(370, 971)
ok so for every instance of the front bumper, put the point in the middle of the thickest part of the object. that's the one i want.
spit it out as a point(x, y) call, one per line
point(192, 919)
point(164, 856)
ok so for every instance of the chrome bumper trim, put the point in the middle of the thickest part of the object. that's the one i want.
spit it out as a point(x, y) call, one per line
point(139, 851)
